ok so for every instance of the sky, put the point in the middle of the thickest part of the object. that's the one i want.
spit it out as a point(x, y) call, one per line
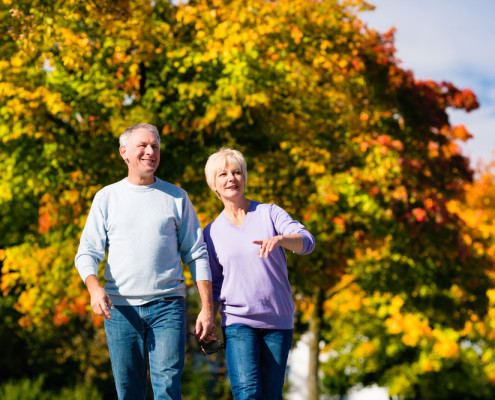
point(453, 41)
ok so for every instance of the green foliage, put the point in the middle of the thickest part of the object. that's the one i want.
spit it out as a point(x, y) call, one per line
point(12, 362)
point(27, 389)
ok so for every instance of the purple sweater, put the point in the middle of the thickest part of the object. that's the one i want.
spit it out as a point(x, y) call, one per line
point(251, 290)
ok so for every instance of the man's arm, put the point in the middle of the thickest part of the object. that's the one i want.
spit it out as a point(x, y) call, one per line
point(100, 301)
point(91, 253)
point(205, 323)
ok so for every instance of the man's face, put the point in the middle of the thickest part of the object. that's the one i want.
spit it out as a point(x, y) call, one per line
point(142, 155)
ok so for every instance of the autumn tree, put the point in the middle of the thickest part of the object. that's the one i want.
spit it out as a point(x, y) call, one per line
point(414, 351)
point(401, 313)
point(333, 129)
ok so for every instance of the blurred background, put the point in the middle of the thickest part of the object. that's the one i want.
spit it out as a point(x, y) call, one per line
point(378, 140)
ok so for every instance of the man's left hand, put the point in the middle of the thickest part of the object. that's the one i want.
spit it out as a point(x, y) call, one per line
point(205, 327)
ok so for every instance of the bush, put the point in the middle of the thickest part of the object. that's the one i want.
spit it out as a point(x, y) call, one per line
point(33, 389)
point(24, 389)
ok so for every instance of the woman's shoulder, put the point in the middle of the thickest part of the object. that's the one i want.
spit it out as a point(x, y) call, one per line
point(265, 207)
point(259, 206)
point(217, 222)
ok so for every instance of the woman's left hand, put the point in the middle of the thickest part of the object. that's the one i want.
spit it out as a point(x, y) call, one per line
point(267, 245)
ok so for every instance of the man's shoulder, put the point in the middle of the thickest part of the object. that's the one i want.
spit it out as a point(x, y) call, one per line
point(113, 186)
point(105, 190)
point(170, 188)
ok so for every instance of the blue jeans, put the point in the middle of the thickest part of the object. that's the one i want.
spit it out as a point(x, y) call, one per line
point(153, 333)
point(256, 361)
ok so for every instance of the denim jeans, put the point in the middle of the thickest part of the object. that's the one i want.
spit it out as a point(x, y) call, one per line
point(153, 333)
point(256, 361)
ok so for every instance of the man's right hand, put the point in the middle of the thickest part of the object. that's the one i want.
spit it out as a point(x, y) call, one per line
point(100, 301)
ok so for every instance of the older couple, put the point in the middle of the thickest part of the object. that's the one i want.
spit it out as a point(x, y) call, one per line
point(145, 227)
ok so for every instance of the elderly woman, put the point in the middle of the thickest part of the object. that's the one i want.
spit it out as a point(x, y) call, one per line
point(246, 245)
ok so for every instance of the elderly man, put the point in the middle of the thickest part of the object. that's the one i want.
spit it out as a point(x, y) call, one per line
point(146, 226)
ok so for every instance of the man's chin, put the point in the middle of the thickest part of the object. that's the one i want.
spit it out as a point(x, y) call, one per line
point(150, 168)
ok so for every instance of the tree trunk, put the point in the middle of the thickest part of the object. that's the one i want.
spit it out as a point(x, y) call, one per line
point(314, 348)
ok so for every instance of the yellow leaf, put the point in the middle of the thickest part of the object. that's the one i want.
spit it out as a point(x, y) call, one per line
point(296, 34)
point(446, 349)
point(396, 305)
point(16, 61)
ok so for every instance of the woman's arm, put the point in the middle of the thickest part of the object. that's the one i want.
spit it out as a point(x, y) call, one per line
point(293, 242)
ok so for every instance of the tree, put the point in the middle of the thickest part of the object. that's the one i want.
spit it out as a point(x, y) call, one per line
point(411, 351)
point(332, 128)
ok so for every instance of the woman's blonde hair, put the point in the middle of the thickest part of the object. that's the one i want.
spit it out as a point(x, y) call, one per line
point(219, 160)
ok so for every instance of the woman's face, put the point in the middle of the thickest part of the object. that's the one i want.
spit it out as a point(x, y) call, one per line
point(229, 182)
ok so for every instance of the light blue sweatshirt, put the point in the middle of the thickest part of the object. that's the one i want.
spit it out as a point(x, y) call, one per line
point(253, 291)
point(146, 232)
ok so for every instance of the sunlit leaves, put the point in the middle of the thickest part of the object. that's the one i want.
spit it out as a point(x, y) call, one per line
point(333, 129)
point(47, 279)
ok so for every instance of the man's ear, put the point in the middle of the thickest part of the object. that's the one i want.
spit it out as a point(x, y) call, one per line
point(123, 153)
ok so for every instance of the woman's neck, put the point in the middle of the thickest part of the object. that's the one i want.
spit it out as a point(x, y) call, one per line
point(236, 211)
